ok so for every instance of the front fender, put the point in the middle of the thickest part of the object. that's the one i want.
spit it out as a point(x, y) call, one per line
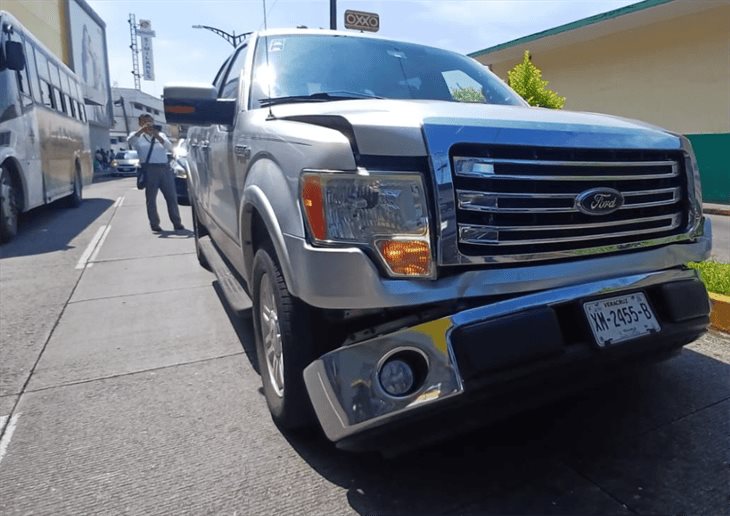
point(273, 197)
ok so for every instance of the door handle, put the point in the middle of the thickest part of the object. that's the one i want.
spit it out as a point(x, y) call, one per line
point(243, 151)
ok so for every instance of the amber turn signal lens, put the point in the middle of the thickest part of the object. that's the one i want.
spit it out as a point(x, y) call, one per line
point(313, 205)
point(406, 257)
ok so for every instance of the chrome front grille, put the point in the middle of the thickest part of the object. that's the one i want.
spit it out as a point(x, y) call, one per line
point(520, 201)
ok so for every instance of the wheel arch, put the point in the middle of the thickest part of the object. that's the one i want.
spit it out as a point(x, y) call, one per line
point(14, 168)
point(259, 224)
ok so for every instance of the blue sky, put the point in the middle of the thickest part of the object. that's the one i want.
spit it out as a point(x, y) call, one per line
point(182, 53)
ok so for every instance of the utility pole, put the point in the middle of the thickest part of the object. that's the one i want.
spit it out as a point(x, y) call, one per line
point(135, 50)
point(233, 39)
point(120, 102)
point(333, 14)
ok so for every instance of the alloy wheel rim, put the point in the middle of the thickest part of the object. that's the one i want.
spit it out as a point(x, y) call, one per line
point(271, 335)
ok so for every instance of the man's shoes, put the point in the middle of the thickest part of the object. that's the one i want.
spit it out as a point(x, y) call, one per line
point(156, 229)
point(179, 227)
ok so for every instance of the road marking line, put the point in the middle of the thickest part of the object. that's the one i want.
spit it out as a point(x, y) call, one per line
point(98, 247)
point(117, 202)
point(90, 248)
point(5, 441)
point(121, 201)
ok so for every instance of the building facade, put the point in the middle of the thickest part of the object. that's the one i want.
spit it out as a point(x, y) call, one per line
point(76, 35)
point(665, 62)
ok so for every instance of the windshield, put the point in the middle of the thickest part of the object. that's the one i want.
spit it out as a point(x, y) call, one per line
point(306, 65)
point(126, 155)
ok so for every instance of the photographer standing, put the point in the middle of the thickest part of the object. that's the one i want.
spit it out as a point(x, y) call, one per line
point(158, 173)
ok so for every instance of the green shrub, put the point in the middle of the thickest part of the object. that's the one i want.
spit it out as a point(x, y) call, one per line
point(715, 275)
point(468, 95)
point(526, 79)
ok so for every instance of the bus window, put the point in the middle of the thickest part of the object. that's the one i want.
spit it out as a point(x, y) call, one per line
point(32, 71)
point(57, 99)
point(45, 80)
point(68, 108)
point(24, 87)
point(72, 105)
point(65, 87)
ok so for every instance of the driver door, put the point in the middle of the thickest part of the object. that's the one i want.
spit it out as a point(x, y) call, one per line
point(225, 198)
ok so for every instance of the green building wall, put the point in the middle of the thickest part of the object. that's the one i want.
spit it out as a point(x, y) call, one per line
point(713, 158)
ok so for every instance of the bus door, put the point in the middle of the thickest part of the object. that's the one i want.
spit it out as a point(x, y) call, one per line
point(56, 140)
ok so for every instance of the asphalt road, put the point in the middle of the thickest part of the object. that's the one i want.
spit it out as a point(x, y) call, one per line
point(126, 387)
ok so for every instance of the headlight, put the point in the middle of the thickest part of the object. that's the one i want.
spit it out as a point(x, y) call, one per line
point(114, 163)
point(385, 211)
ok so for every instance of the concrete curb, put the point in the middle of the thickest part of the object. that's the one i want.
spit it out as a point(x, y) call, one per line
point(720, 316)
point(717, 211)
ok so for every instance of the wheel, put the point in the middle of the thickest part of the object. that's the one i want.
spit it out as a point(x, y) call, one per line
point(284, 337)
point(77, 196)
point(8, 206)
point(199, 231)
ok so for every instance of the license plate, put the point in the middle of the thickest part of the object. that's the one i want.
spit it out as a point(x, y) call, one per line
point(620, 318)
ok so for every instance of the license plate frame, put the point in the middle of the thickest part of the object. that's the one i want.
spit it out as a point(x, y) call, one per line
point(621, 318)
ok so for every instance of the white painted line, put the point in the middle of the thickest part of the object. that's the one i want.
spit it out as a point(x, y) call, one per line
point(121, 201)
point(5, 441)
point(98, 247)
point(117, 202)
point(90, 248)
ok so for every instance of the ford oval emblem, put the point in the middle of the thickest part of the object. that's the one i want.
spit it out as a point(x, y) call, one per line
point(599, 201)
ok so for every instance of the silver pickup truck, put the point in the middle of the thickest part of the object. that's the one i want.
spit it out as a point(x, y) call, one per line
point(413, 260)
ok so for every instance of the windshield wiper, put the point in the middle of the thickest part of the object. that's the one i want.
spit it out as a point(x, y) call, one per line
point(317, 97)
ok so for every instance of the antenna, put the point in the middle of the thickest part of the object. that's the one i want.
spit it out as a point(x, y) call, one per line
point(268, 69)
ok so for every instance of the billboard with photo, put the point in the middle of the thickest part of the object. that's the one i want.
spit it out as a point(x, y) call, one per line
point(88, 45)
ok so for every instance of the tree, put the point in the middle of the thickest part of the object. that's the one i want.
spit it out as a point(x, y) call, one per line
point(526, 79)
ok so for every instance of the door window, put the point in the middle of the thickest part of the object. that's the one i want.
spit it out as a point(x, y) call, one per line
point(229, 90)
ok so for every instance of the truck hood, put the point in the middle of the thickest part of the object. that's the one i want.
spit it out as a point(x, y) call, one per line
point(407, 127)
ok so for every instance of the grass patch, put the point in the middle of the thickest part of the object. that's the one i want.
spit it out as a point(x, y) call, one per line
point(715, 275)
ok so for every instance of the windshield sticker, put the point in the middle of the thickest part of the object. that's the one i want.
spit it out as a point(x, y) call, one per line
point(276, 45)
point(396, 53)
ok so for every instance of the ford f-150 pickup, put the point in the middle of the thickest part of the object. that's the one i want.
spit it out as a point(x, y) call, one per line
point(410, 258)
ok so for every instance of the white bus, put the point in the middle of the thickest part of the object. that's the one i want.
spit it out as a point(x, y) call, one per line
point(44, 134)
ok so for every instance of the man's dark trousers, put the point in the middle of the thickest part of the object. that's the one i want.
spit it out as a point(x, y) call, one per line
point(159, 177)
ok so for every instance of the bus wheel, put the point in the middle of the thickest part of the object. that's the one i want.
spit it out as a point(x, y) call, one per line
point(74, 200)
point(8, 206)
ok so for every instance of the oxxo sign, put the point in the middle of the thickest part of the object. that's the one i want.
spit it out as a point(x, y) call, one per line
point(360, 20)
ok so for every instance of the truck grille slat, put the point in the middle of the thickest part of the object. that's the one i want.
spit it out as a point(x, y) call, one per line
point(505, 202)
point(524, 202)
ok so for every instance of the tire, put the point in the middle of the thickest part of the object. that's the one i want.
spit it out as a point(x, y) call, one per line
point(199, 231)
point(77, 196)
point(283, 331)
point(8, 206)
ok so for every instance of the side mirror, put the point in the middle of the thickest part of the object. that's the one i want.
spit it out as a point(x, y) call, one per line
point(14, 57)
point(197, 105)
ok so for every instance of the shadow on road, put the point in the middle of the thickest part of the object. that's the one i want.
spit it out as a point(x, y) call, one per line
point(242, 325)
point(563, 458)
point(653, 439)
point(51, 228)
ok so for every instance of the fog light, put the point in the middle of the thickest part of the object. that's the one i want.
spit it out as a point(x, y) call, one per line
point(396, 377)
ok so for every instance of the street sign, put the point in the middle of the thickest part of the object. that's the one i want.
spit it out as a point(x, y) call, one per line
point(360, 20)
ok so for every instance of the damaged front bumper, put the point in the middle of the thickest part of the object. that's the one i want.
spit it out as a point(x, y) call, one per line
point(506, 341)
